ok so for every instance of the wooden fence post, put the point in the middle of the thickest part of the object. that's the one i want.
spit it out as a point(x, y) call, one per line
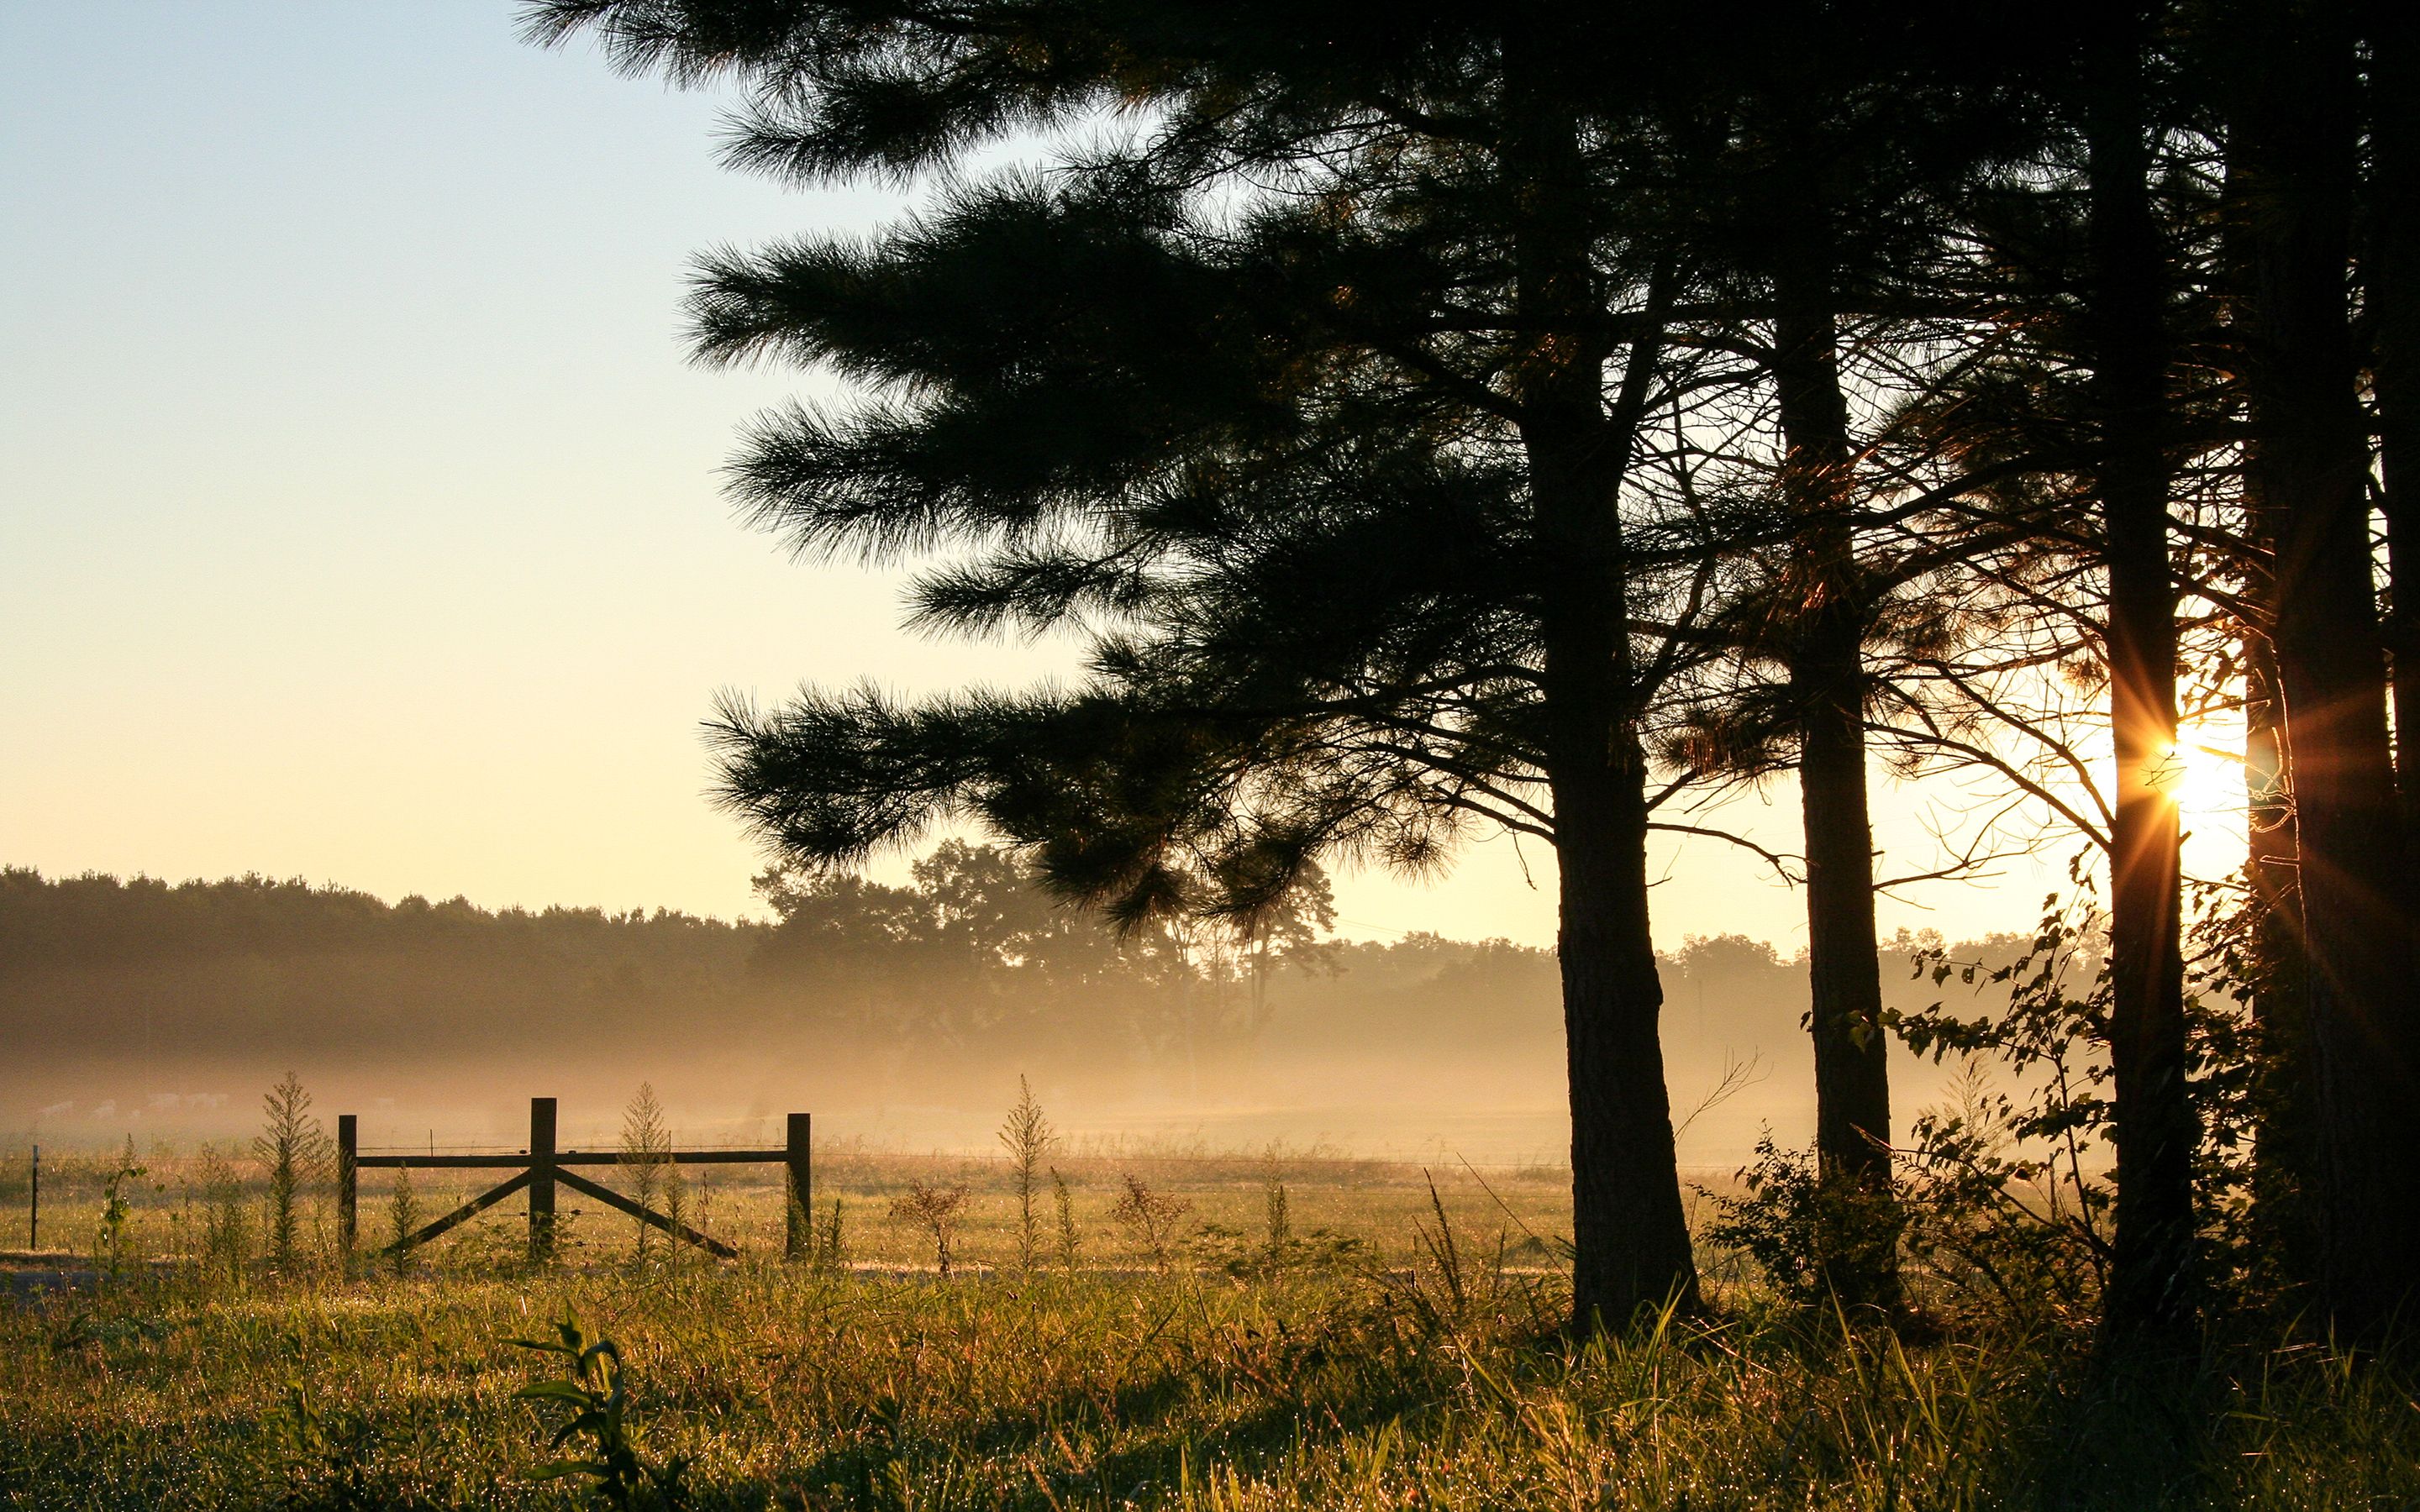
point(541, 1190)
point(802, 1191)
point(347, 1150)
point(33, 1205)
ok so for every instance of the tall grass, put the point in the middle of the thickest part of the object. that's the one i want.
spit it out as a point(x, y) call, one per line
point(1402, 1356)
point(783, 1386)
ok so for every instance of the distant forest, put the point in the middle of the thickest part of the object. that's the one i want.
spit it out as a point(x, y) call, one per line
point(179, 998)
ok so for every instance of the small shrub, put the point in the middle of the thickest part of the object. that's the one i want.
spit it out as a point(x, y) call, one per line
point(1151, 1217)
point(1276, 1214)
point(1812, 1240)
point(936, 1210)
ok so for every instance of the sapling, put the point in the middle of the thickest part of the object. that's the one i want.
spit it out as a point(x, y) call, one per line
point(1276, 1210)
point(1152, 1216)
point(936, 1210)
point(646, 1154)
point(402, 1219)
point(294, 1149)
point(1028, 1138)
point(1070, 1239)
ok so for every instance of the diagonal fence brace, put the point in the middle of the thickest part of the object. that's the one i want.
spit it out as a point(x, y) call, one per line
point(612, 1199)
point(466, 1212)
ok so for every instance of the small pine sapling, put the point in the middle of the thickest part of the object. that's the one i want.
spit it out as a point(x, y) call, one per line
point(402, 1219)
point(1028, 1138)
point(646, 1155)
point(1070, 1238)
point(937, 1211)
point(295, 1150)
point(1276, 1211)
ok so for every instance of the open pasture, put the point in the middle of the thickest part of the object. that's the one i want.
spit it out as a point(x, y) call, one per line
point(1385, 1362)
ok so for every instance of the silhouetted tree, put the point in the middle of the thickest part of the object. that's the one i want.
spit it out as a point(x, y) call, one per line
point(2295, 143)
point(1351, 481)
point(1366, 402)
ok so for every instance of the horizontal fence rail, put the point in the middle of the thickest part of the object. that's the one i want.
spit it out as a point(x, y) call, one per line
point(540, 1167)
point(511, 1160)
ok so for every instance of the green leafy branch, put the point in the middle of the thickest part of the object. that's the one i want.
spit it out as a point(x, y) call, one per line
point(597, 1413)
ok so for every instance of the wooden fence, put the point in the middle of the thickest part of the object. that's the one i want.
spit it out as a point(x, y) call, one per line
point(541, 1167)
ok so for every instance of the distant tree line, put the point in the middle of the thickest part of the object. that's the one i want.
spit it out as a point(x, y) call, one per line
point(967, 966)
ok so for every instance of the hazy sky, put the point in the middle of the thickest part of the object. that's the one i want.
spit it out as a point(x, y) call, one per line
point(358, 512)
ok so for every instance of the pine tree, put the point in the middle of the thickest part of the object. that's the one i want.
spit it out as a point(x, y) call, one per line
point(297, 1151)
point(1348, 482)
point(1028, 1138)
point(2296, 148)
point(1367, 408)
point(402, 1219)
point(647, 1156)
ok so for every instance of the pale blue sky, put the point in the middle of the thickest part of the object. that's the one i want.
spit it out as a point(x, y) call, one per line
point(358, 511)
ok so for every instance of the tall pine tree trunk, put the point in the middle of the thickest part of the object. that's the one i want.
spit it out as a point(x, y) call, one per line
point(2391, 279)
point(1629, 1229)
point(2282, 1158)
point(2285, 1158)
point(2297, 151)
point(2125, 323)
point(1628, 1225)
point(1827, 685)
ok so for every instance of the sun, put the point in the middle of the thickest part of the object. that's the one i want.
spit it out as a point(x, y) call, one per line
point(2203, 778)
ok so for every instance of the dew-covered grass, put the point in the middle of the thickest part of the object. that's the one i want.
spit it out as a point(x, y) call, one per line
point(1359, 1374)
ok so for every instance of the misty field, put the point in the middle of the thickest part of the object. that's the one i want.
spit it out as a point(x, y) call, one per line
point(1395, 1348)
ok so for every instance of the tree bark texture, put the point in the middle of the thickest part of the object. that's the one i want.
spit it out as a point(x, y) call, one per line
point(2284, 1159)
point(1629, 1229)
point(1628, 1225)
point(2298, 150)
point(2391, 280)
point(1827, 677)
point(2125, 331)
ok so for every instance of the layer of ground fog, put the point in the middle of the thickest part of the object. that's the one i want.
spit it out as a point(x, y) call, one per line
point(895, 1014)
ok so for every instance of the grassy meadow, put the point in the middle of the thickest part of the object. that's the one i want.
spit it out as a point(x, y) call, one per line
point(1387, 1360)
